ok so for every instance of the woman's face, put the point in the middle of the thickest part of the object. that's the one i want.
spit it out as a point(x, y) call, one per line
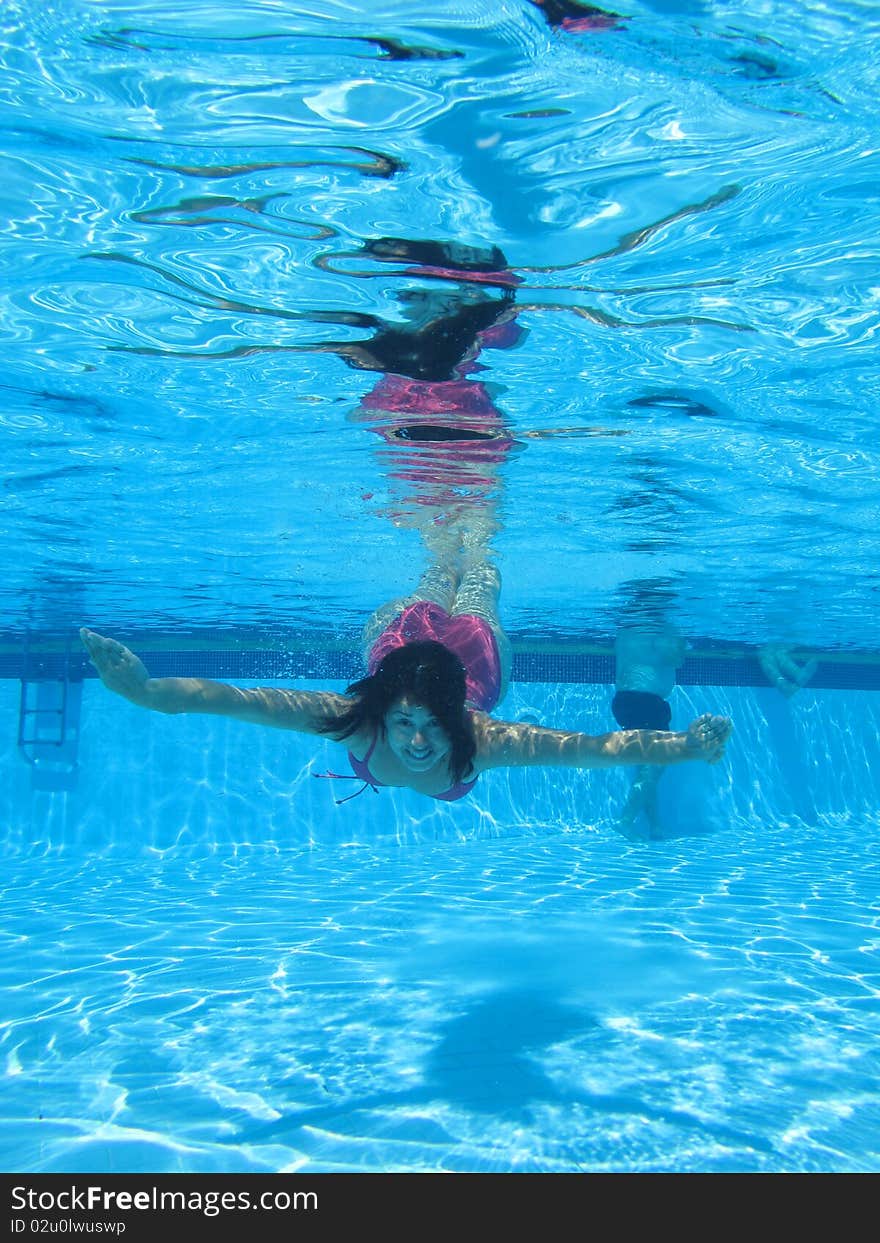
point(415, 736)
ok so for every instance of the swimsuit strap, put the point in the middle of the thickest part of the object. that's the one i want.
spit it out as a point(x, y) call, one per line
point(368, 785)
point(457, 791)
point(347, 777)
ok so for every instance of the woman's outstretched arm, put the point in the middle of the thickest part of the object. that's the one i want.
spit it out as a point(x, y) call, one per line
point(123, 673)
point(507, 744)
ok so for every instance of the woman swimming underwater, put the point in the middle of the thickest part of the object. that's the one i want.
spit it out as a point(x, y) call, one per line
point(420, 718)
point(437, 660)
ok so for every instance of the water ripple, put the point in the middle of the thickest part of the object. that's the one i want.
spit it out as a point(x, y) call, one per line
point(689, 201)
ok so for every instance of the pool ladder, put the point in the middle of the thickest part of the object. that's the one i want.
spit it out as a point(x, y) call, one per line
point(48, 718)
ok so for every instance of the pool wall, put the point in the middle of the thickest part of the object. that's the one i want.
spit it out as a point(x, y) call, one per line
point(149, 783)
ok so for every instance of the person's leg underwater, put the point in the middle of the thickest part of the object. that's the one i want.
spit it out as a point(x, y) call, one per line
point(479, 588)
point(438, 583)
point(646, 659)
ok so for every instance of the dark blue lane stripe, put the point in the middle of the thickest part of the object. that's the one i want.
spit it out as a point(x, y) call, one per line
point(529, 666)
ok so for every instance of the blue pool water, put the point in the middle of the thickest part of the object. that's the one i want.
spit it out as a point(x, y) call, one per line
point(208, 965)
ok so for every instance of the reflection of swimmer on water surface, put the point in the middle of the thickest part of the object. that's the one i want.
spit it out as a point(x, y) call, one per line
point(444, 326)
point(431, 400)
point(430, 405)
point(445, 436)
point(576, 18)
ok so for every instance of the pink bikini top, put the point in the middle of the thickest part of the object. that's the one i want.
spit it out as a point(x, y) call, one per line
point(361, 769)
point(361, 772)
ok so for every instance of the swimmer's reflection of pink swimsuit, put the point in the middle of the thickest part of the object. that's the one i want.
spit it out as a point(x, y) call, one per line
point(472, 641)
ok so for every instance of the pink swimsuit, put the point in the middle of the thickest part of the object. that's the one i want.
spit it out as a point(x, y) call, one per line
point(472, 641)
point(468, 636)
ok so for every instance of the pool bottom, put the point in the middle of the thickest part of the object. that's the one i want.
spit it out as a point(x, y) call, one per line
point(566, 1003)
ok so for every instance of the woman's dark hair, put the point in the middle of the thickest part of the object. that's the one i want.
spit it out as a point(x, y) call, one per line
point(430, 674)
point(433, 352)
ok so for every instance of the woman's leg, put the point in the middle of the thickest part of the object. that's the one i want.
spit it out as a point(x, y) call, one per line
point(480, 589)
point(438, 584)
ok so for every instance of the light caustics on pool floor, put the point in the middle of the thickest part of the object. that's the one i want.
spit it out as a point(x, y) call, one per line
point(564, 1005)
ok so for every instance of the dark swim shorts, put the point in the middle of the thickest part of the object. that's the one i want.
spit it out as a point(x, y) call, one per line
point(640, 710)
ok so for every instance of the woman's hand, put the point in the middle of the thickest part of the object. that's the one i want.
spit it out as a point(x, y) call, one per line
point(120, 670)
point(707, 736)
